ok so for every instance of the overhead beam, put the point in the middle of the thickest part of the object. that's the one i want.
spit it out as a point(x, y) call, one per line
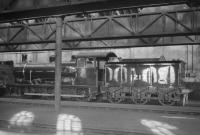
point(111, 47)
point(174, 34)
point(13, 38)
point(96, 6)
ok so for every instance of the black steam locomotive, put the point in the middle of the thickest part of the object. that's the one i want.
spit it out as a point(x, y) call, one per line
point(99, 76)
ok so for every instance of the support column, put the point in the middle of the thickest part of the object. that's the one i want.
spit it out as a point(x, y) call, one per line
point(58, 58)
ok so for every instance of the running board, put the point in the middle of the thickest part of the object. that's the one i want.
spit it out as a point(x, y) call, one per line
point(62, 95)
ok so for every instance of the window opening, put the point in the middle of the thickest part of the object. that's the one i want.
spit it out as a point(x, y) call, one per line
point(24, 57)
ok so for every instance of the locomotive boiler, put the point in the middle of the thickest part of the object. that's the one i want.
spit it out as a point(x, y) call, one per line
point(82, 77)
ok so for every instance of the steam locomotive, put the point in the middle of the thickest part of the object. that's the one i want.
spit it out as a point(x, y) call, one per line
point(99, 76)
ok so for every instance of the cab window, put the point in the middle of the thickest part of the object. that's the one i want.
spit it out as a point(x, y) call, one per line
point(90, 62)
point(102, 64)
point(81, 62)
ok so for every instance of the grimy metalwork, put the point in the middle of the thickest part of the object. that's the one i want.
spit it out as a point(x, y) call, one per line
point(99, 77)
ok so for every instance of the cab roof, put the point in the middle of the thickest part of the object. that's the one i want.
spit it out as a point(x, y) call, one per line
point(97, 55)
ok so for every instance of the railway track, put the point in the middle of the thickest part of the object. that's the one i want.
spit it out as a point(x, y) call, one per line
point(108, 106)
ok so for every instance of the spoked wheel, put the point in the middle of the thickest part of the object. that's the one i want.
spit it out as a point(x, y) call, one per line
point(127, 101)
point(112, 98)
point(140, 96)
point(167, 98)
point(113, 95)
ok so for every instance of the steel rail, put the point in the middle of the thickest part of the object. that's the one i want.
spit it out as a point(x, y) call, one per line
point(108, 106)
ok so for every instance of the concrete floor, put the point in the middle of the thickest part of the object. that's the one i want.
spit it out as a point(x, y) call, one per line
point(40, 120)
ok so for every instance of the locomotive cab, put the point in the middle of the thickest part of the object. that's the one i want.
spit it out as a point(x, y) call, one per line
point(91, 66)
point(90, 69)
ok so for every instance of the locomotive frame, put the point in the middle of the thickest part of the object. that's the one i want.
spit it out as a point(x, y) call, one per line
point(87, 78)
point(81, 77)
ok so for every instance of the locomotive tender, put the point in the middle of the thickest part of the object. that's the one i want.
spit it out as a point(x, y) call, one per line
point(143, 81)
point(101, 76)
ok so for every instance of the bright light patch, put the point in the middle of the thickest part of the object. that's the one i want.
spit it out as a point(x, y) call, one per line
point(177, 117)
point(166, 73)
point(149, 75)
point(82, 72)
point(172, 74)
point(116, 71)
point(110, 73)
point(163, 72)
point(153, 74)
point(145, 75)
point(16, 133)
point(159, 128)
point(23, 118)
point(70, 123)
point(68, 133)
